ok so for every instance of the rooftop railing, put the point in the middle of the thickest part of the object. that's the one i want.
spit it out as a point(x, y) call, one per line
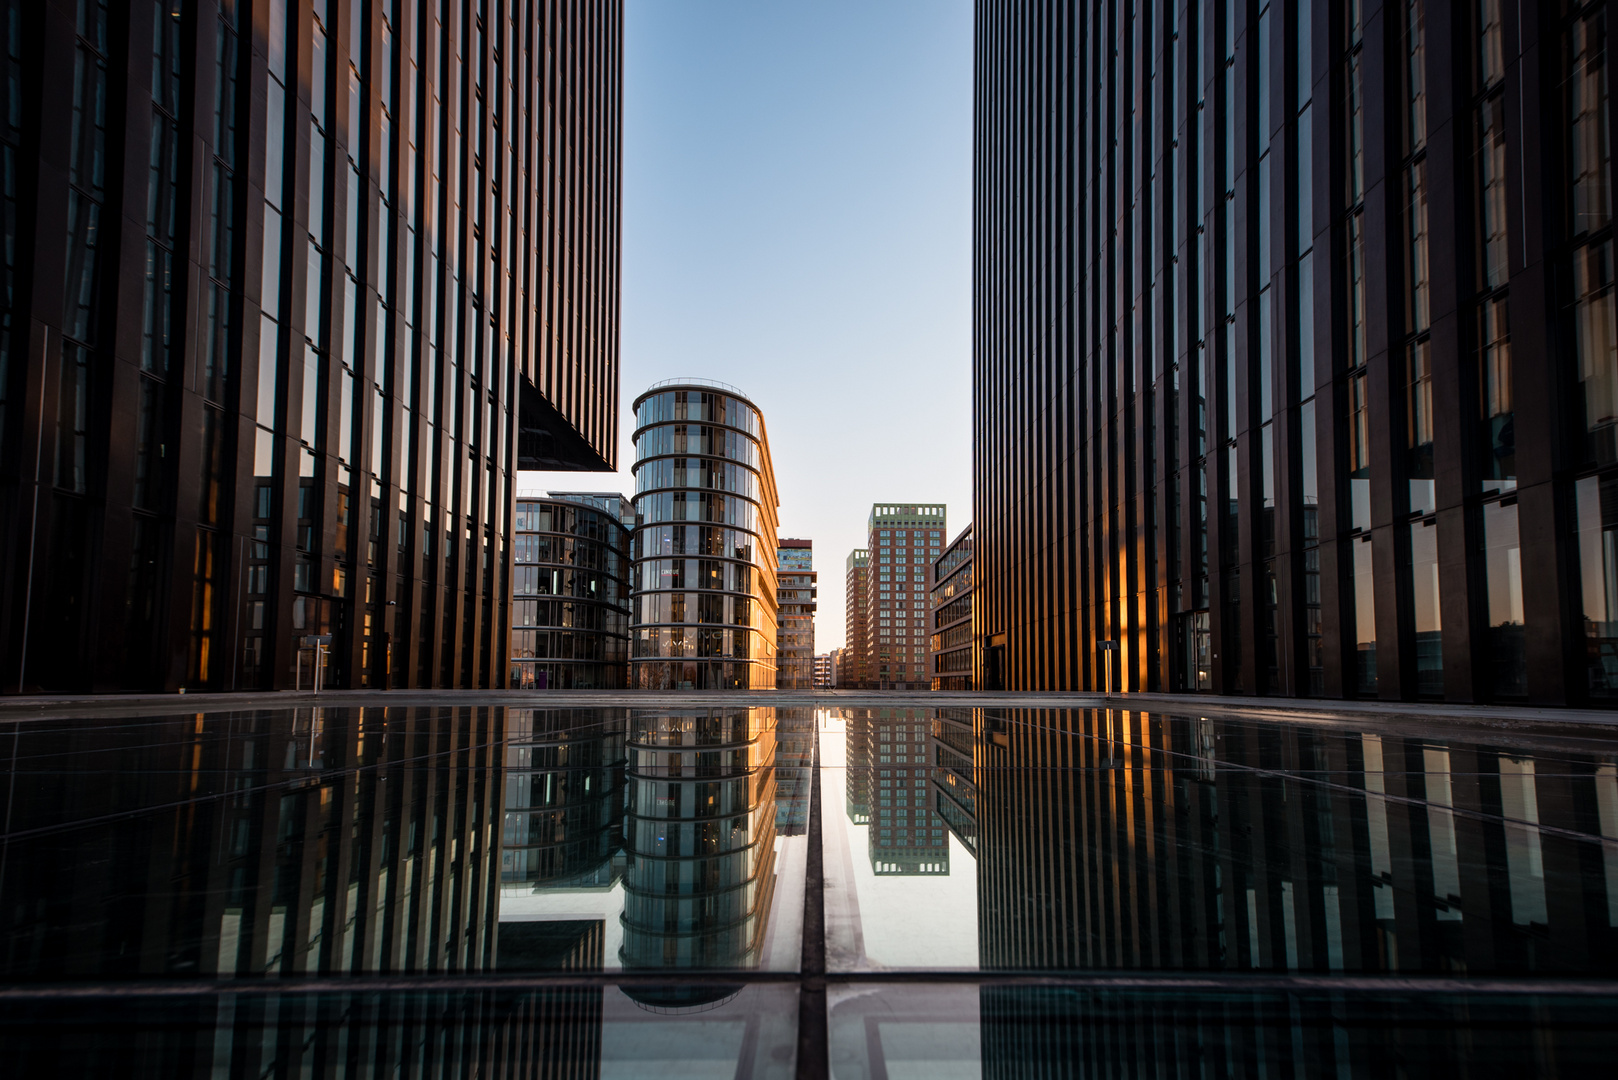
point(712, 384)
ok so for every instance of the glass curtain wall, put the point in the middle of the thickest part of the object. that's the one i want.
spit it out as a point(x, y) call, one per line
point(570, 597)
point(704, 548)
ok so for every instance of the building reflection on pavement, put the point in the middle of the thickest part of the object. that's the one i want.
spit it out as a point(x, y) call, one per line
point(589, 853)
point(331, 842)
point(1114, 841)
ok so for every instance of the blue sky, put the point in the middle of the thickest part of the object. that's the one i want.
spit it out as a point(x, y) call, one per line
point(797, 222)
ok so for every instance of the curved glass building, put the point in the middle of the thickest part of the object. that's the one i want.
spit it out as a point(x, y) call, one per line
point(570, 593)
point(704, 615)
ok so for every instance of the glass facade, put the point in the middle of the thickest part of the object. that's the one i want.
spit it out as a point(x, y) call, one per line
point(951, 642)
point(1245, 398)
point(570, 593)
point(564, 796)
point(291, 318)
point(704, 549)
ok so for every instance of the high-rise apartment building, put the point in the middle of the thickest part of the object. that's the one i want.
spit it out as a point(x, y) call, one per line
point(950, 616)
point(825, 671)
point(854, 670)
point(796, 595)
point(1245, 394)
point(905, 539)
point(704, 574)
point(289, 290)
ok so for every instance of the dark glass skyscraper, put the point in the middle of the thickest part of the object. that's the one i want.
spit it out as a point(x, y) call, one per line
point(290, 287)
point(1249, 279)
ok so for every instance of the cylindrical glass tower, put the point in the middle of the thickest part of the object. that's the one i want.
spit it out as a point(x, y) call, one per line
point(704, 613)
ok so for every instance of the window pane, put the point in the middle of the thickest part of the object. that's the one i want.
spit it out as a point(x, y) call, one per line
point(1364, 618)
point(1503, 564)
point(1425, 604)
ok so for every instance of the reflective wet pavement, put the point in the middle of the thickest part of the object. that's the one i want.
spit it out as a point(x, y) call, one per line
point(460, 890)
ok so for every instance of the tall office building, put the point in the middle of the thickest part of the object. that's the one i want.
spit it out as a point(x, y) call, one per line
point(854, 668)
point(1250, 279)
point(704, 572)
point(290, 287)
point(795, 633)
point(905, 539)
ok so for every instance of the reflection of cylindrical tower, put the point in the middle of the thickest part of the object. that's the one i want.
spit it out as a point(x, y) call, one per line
point(700, 835)
point(564, 795)
point(704, 613)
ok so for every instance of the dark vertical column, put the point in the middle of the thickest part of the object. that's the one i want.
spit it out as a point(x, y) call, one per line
point(1246, 486)
point(1330, 158)
point(1384, 274)
point(1450, 213)
point(129, 110)
point(1535, 117)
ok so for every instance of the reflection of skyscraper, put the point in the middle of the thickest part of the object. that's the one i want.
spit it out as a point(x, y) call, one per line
point(888, 786)
point(794, 758)
point(955, 774)
point(294, 841)
point(564, 793)
point(1127, 841)
point(1186, 851)
point(700, 836)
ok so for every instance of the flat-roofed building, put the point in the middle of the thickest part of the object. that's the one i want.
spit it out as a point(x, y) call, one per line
point(796, 602)
point(854, 670)
point(905, 538)
point(951, 642)
point(825, 671)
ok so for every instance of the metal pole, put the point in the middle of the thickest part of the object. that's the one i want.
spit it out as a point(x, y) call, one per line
point(236, 638)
